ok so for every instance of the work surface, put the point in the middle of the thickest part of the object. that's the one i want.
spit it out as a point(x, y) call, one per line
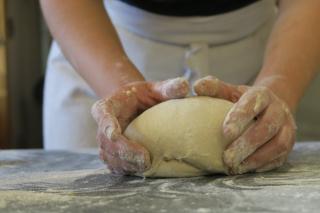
point(58, 181)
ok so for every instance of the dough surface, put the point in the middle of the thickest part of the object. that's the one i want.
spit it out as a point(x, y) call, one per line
point(184, 136)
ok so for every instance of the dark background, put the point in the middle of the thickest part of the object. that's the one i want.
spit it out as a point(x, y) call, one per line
point(28, 42)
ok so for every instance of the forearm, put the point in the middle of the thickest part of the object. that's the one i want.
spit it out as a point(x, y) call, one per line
point(293, 52)
point(89, 41)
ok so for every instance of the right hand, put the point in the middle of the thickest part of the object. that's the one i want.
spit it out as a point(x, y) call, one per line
point(260, 125)
point(113, 115)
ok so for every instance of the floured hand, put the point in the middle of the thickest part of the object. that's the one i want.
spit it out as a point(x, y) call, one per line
point(113, 115)
point(260, 124)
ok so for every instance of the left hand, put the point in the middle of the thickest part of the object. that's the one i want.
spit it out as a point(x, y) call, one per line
point(260, 125)
point(114, 113)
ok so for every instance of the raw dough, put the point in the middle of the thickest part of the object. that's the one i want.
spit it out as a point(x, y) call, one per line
point(184, 136)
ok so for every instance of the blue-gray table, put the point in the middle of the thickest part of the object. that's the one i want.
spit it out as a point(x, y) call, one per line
point(60, 181)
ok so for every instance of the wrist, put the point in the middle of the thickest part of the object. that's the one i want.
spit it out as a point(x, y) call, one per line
point(122, 72)
point(117, 73)
point(281, 87)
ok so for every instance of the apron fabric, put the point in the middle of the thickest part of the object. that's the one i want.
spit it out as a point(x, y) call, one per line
point(229, 46)
point(195, 46)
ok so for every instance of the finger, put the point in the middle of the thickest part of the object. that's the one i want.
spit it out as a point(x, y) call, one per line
point(170, 89)
point(128, 115)
point(134, 154)
point(119, 167)
point(147, 100)
point(259, 133)
point(276, 148)
point(103, 112)
point(110, 127)
point(129, 155)
point(105, 156)
point(112, 164)
point(97, 109)
point(273, 164)
point(213, 87)
point(251, 104)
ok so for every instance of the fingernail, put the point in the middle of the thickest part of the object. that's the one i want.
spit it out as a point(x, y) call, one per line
point(111, 133)
point(143, 163)
point(108, 132)
point(235, 154)
point(228, 157)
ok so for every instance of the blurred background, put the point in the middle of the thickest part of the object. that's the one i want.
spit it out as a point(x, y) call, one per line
point(24, 46)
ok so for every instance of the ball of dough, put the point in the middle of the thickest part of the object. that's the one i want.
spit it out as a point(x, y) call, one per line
point(184, 136)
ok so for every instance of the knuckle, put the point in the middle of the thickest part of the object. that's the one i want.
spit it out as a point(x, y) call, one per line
point(95, 109)
point(283, 146)
point(207, 78)
point(197, 88)
point(270, 126)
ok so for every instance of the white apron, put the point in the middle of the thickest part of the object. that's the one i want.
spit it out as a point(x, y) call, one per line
point(229, 46)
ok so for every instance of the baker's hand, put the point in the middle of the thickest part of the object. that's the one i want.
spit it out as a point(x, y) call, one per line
point(260, 126)
point(113, 115)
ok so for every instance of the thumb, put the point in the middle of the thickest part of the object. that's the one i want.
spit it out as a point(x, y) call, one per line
point(213, 87)
point(103, 113)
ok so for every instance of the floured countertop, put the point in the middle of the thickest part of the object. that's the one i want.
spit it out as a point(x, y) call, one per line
point(59, 181)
